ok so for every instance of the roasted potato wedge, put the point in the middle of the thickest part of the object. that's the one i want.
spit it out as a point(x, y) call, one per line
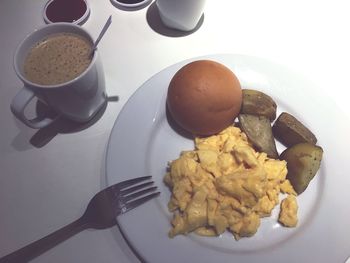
point(258, 130)
point(303, 161)
point(289, 131)
point(258, 103)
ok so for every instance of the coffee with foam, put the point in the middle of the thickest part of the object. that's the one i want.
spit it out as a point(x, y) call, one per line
point(57, 59)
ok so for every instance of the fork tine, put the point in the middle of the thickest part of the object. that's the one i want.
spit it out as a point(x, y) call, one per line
point(137, 194)
point(135, 188)
point(138, 202)
point(130, 182)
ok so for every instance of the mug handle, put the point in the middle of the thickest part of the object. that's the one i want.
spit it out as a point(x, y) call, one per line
point(20, 102)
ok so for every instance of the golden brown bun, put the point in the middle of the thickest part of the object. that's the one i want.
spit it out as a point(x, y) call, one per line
point(204, 97)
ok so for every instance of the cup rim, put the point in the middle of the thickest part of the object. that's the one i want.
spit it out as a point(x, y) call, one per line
point(118, 3)
point(80, 21)
point(54, 86)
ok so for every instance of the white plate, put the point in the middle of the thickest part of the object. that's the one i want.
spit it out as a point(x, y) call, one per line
point(142, 142)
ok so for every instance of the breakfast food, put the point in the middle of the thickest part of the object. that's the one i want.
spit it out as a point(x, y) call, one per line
point(258, 103)
point(303, 161)
point(57, 58)
point(225, 184)
point(257, 112)
point(258, 129)
point(204, 97)
point(302, 156)
point(288, 213)
point(234, 176)
point(289, 131)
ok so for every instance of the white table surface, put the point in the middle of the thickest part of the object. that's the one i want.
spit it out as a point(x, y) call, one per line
point(44, 188)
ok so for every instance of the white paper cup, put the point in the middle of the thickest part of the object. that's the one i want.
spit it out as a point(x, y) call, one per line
point(181, 14)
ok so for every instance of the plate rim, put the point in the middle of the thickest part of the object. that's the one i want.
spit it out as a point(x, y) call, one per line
point(214, 56)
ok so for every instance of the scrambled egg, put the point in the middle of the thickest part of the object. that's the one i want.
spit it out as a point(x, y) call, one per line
point(224, 184)
point(288, 213)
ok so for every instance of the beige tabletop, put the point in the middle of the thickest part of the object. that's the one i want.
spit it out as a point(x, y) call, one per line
point(48, 176)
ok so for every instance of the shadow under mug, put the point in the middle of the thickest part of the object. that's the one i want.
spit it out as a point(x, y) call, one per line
point(78, 99)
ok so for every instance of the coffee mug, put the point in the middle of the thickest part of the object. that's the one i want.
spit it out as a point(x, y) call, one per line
point(181, 14)
point(78, 99)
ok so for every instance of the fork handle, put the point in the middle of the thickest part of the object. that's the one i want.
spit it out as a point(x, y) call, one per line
point(42, 245)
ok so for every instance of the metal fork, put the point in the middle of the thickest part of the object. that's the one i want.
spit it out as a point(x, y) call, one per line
point(100, 213)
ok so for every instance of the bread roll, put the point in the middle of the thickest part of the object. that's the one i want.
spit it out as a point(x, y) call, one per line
point(204, 97)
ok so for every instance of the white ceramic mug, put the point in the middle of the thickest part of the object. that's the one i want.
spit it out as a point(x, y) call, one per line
point(181, 14)
point(78, 99)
